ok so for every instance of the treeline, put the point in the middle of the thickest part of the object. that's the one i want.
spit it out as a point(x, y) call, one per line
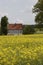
point(27, 29)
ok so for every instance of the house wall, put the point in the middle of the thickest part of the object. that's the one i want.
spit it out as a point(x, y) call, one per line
point(14, 31)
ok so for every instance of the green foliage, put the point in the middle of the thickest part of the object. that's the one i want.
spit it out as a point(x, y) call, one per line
point(4, 22)
point(28, 30)
point(38, 18)
point(0, 30)
point(38, 9)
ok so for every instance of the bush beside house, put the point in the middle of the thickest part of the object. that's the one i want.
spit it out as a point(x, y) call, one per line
point(28, 29)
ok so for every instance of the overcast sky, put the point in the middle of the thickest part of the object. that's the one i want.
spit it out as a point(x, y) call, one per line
point(18, 11)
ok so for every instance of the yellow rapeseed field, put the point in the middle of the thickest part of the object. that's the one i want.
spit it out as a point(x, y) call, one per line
point(21, 50)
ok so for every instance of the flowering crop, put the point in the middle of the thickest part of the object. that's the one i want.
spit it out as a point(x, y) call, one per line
point(21, 50)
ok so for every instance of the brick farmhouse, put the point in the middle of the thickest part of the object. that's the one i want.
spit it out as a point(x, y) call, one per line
point(15, 29)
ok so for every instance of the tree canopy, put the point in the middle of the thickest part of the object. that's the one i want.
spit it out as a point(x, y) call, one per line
point(38, 10)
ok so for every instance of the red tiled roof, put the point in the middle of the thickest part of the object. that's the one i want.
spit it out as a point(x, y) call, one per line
point(15, 26)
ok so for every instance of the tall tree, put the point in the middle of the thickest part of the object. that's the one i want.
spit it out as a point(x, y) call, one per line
point(38, 10)
point(4, 22)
